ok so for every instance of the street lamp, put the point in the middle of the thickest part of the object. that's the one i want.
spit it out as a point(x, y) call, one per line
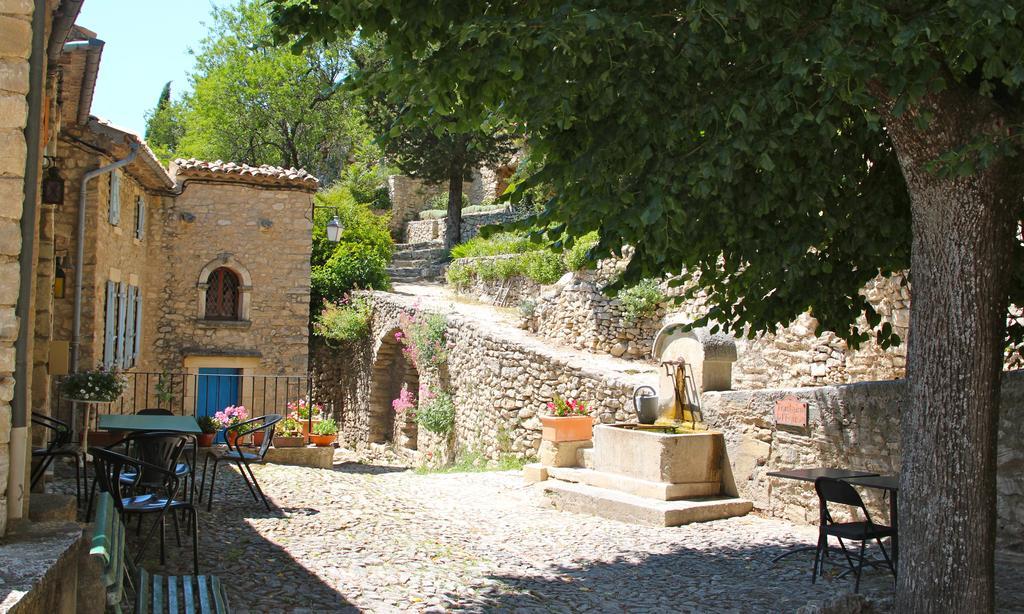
point(334, 229)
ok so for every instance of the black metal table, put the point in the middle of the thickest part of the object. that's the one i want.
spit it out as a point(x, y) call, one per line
point(890, 484)
point(810, 475)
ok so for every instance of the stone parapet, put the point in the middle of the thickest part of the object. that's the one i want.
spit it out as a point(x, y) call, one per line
point(855, 426)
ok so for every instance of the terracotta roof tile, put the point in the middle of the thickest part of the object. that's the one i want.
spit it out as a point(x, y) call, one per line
point(264, 173)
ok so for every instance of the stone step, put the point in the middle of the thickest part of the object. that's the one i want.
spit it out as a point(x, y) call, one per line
point(420, 245)
point(404, 263)
point(433, 253)
point(614, 505)
point(48, 507)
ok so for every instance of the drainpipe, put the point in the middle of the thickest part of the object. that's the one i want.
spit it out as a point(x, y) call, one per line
point(76, 323)
point(21, 405)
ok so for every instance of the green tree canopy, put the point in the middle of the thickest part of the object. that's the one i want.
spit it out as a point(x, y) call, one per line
point(783, 153)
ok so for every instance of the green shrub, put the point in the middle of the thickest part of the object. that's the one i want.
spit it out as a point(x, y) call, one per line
point(543, 266)
point(367, 185)
point(527, 307)
point(576, 256)
point(508, 267)
point(436, 214)
point(641, 300)
point(437, 414)
point(423, 338)
point(353, 265)
point(498, 244)
point(440, 201)
point(344, 322)
point(326, 427)
point(460, 275)
point(487, 270)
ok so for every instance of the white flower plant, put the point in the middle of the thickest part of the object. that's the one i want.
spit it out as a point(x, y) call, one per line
point(99, 385)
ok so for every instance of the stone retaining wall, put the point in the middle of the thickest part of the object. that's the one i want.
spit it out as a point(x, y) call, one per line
point(499, 385)
point(856, 426)
point(508, 292)
point(421, 231)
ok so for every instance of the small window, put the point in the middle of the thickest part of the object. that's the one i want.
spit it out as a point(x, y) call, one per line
point(115, 198)
point(140, 218)
point(222, 296)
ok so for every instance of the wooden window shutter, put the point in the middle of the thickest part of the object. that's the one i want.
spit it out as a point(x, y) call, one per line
point(140, 218)
point(129, 330)
point(122, 316)
point(115, 197)
point(110, 324)
point(137, 340)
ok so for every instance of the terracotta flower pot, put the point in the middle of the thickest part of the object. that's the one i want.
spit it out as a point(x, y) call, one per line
point(206, 439)
point(323, 441)
point(257, 438)
point(307, 428)
point(283, 441)
point(567, 428)
point(232, 437)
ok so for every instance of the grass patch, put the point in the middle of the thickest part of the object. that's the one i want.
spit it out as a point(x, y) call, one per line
point(475, 462)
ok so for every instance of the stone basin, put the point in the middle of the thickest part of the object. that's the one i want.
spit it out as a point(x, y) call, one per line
point(689, 460)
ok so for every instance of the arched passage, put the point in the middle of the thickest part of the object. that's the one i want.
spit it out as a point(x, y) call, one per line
point(392, 370)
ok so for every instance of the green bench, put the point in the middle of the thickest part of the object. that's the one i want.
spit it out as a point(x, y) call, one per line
point(153, 593)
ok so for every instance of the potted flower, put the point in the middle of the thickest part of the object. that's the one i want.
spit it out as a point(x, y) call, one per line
point(569, 421)
point(97, 386)
point(209, 426)
point(324, 433)
point(305, 413)
point(288, 434)
point(229, 417)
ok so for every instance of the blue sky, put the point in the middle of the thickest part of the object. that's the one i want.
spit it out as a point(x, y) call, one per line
point(147, 44)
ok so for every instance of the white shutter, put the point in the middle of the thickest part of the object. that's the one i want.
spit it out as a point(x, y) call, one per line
point(122, 315)
point(137, 341)
point(129, 330)
point(110, 325)
point(140, 219)
point(115, 197)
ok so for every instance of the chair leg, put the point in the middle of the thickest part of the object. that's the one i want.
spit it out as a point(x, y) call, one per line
point(846, 553)
point(78, 485)
point(885, 555)
point(822, 544)
point(202, 485)
point(177, 530)
point(257, 485)
point(241, 469)
point(163, 540)
point(860, 566)
point(213, 480)
point(195, 539)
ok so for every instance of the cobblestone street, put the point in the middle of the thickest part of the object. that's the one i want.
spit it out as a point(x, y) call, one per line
point(382, 539)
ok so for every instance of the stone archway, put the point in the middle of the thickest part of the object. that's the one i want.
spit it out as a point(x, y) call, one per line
point(391, 370)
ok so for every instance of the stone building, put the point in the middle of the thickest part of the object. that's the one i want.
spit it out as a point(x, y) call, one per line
point(200, 266)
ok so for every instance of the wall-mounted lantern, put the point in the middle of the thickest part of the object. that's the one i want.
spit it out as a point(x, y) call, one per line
point(53, 187)
point(334, 229)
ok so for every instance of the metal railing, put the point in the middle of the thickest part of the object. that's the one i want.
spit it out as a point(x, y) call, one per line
point(198, 394)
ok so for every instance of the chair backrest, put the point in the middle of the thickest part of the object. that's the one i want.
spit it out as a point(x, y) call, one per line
point(831, 490)
point(154, 411)
point(110, 466)
point(108, 545)
point(60, 431)
point(267, 424)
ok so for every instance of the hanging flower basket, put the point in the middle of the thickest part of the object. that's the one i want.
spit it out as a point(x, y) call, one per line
point(97, 386)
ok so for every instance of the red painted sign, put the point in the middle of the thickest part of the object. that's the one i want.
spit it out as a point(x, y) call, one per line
point(790, 411)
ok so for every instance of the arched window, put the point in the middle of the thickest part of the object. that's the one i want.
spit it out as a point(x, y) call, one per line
point(222, 296)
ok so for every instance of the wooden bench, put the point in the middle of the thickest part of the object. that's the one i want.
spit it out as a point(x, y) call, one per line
point(153, 593)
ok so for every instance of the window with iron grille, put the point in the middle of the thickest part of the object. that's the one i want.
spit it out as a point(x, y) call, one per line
point(222, 296)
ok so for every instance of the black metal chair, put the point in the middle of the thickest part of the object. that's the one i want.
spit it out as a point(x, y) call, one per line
point(267, 424)
point(836, 491)
point(186, 469)
point(59, 445)
point(158, 477)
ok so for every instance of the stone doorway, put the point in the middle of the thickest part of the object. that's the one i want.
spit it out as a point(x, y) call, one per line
point(392, 370)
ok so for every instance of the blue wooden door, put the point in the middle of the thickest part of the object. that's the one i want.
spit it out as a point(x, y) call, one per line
point(216, 389)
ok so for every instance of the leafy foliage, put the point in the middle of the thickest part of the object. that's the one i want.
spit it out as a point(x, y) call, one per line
point(345, 321)
point(495, 245)
point(103, 385)
point(642, 299)
point(327, 426)
point(359, 259)
point(437, 413)
point(577, 256)
point(423, 338)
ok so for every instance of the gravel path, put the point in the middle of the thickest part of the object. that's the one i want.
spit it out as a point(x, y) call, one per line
point(381, 539)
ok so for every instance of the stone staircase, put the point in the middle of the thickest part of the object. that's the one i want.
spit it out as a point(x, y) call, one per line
point(414, 262)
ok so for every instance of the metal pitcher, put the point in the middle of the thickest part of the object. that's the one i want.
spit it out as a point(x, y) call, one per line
point(645, 403)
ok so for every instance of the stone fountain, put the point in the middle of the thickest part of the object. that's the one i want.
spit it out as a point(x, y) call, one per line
point(665, 474)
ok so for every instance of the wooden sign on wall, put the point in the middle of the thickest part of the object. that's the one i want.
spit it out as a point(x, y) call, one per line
point(791, 411)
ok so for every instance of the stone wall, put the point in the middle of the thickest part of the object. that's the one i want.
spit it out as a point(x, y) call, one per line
point(409, 196)
point(855, 426)
point(509, 292)
point(264, 236)
point(499, 383)
point(575, 312)
point(15, 46)
point(420, 231)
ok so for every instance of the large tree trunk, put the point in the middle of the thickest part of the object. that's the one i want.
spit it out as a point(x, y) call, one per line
point(453, 221)
point(962, 233)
